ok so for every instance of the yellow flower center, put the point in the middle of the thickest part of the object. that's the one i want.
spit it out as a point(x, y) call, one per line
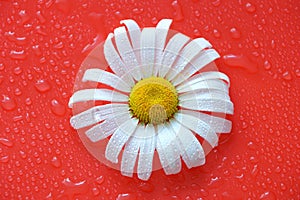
point(153, 100)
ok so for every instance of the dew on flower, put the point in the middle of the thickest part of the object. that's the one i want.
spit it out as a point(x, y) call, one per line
point(144, 97)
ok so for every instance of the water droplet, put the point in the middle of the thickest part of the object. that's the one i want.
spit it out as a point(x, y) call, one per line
point(178, 16)
point(59, 45)
point(22, 154)
point(250, 8)
point(95, 19)
point(287, 76)
point(57, 108)
point(127, 196)
point(95, 191)
point(42, 60)
point(255, 170)
point(17, 70)
point(64, 5)
point(119, 15)
point(72, 188)
point(196, 33)
point(165, 191)
point(137, 11)
point(254, 159)
point(7, 103)
point(282, 186)
point(100, 180)
point(42, 86)
point(36, 49)
point(20, 40)
point(1, 79)
point(55, 162)
point(98, 39)
point(251, 145)
point(40, 31)
point(6, 142)
point(216, 3)
point(4, 159)
point(154, 21)
point(18, 55)
point(235, 33)
point(297, 72)
point(278, 169)
point(197, 13)
point(2, 66)
point(24, 16)
point(28, 101)
point(17, 118)
point(204, 192)
point(40, 17)
point(273, 44)
point(10, 36)
point(279, 158)
point(240, 61)
point(215, 182)
point(267, 65)
point(268, 196)
point(216, 33)
point(146, 187)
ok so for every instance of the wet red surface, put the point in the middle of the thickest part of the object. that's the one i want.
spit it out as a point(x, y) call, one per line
point(42, 46)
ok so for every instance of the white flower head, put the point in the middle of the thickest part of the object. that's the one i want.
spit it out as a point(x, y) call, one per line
point(162, 100)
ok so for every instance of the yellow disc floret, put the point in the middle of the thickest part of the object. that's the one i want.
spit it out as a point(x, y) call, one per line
point(153, 100)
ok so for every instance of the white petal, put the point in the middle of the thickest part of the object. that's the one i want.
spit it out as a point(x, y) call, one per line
point(168, 150)
point(204, 76)
point(97, 114)
point(131, 151)
point(146, 153)
point(134, 33)
point(97, 95)
point(106, 78)
point(115, 62)
point(209, 105)
point(161, 33)
point(190, 148)
point(204, 58)
point(208, 94)
point(119, 138)
point(107, 127)
point(203, 85)
point(199, 127)
point(147, 51)
point(190, 51)
point(219, 124)
point(171, 52)
point(127, 53)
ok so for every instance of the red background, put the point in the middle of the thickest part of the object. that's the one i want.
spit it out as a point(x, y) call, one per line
point(42, 44)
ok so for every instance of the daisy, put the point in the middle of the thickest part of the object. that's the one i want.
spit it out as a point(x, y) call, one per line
point(165, 99)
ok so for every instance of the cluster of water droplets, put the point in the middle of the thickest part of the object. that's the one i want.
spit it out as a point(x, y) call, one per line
point(35, 134)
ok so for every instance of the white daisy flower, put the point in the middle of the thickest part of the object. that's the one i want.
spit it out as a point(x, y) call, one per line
point(165, 99)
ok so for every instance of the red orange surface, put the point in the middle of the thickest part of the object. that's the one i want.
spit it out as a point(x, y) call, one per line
point(42, 45)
